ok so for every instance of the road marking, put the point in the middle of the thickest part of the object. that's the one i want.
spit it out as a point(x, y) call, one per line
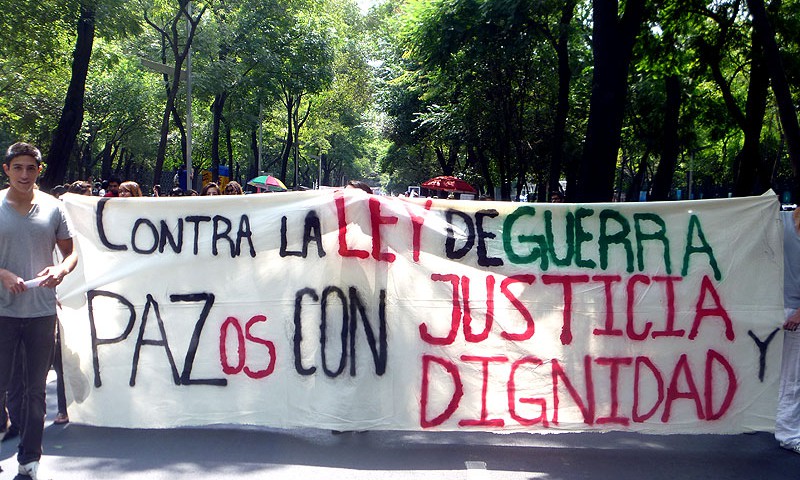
point(476, 470)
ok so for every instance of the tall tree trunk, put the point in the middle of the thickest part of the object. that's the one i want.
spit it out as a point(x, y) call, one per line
point(228, 141)
point(780, 86)
point(562, 105)
point(751, 170)
point(613, 46)
point(287, 146)
point(662, 180)
point(72, 114)
point(161, 153)
point(297, 124)
point(86, 156)
point(216, 112)
point(637, 182)
point(126, 159)
point(483, 162)
point(256, 166)
point(176, 117)
point(106, 161)
point(326, 169)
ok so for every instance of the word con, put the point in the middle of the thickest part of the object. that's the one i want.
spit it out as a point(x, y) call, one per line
point(352, 308)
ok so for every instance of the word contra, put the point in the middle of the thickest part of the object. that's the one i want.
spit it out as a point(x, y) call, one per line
point(146, 238)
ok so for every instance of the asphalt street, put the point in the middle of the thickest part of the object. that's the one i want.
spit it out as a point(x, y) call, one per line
point(79, 452)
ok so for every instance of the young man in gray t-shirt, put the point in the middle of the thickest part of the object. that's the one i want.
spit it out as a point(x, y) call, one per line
point(32, 224)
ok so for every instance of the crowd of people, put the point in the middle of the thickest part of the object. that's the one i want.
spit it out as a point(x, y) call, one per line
point(115, 187)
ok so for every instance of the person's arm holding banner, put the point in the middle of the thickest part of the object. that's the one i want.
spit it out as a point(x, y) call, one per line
point(793, 321)
point(53, 275)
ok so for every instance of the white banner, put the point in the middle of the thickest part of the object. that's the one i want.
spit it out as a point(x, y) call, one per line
point(341, 310)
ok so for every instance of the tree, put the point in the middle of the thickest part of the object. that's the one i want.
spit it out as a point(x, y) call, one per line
point(780, 85)
point(170, 31)
point(57, 159)
point(69, 125)
point(33, 73)
point(483, 83)
point(613, 39)
point(561, 46)
point(121, 115)
point(305, 69)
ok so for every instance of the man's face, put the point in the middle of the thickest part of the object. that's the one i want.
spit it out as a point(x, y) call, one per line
point(22, 173)
point(113, 187)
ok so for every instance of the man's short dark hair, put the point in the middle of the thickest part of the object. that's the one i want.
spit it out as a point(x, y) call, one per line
point(19, 149)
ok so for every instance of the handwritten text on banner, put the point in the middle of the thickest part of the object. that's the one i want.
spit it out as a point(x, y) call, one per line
point(336, 309)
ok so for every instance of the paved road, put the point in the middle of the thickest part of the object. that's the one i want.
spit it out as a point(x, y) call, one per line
point(76, 452)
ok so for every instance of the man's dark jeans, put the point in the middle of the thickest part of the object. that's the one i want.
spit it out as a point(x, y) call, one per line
point(37, 335)
point(11, 401)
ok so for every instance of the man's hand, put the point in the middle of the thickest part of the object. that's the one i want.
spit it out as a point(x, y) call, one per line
point(793, 322)
point(52, 276)
point(12, 282)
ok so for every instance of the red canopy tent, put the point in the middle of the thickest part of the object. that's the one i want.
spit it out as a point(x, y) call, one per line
point(448, 184)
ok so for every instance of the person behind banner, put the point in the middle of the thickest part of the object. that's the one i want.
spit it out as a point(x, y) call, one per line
point(360, 185)
point(80, 188)
point(32, 224)
point(210, 188)
point(130, 189)
point(233, 188)
point(113, 187)
point(787, 419)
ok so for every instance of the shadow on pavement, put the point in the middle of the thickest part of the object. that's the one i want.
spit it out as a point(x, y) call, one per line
point(82, 452)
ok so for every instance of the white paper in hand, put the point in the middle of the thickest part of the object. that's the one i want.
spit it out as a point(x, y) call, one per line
point(34, 282)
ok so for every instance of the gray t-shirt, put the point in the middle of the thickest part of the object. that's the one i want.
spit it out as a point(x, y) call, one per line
point(26, 248)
